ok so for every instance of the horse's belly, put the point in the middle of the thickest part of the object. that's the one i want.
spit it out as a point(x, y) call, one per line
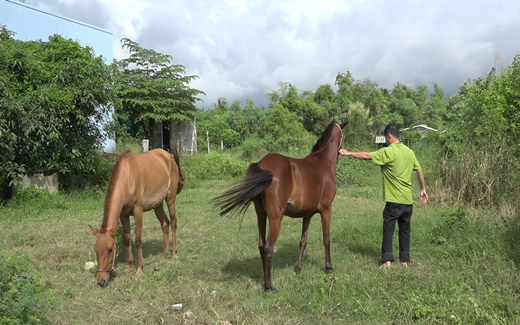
point(154, 199)
point(294, 210)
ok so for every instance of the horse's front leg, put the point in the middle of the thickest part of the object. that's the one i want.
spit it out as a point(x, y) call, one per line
point(303, 241)
point(125, 221)
point(138, 214)
point(325, 223)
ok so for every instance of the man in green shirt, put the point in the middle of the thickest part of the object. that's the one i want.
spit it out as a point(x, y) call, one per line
point(397, 162)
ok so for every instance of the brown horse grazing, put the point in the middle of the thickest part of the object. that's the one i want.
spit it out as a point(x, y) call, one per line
point(298, 188)
point(139, 182)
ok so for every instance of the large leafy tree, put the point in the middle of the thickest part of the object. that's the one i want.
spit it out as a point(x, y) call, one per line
point(54, 97)
point(436, 107)
point(153, 90)
point(303, 105)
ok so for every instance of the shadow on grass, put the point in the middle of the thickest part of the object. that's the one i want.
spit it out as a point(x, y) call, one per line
point(284, 257)
point(365, 249)
point(150, 248)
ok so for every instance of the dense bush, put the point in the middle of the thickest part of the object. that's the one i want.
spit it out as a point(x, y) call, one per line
point(481, 161)
point(252, 149)
point(55, 96)
point(22, 296)
point(454, 223)
point(213, 166)
point(97, 177)
point(351, 171)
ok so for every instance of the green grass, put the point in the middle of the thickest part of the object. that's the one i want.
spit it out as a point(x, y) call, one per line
point(471, 278)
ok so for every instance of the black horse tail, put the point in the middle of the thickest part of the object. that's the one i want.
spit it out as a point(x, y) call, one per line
point(239, 197)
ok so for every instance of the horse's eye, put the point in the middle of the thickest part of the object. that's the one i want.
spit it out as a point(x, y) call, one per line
point(110, 251)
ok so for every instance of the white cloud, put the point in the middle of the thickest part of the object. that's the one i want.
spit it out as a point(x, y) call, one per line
point(241, 49)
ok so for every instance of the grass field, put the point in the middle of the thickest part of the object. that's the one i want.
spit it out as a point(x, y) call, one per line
point(464, 267)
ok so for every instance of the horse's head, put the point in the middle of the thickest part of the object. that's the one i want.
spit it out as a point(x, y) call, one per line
point(105, 248)
point(340, 129)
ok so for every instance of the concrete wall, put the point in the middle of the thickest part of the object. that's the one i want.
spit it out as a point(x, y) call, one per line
point(49, 183)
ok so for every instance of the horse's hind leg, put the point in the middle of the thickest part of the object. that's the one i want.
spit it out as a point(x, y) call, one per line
point(275, 215)
point(125, 221)
point(261, 217)
point(138, 214)
point(165, 226)
point(274, 231)
point(325, 223)
point(170, 200)
point(303, 241)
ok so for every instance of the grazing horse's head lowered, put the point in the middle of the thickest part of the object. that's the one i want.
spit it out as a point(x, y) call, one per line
point(298, 188)
point(105, 248)
point(139, 182)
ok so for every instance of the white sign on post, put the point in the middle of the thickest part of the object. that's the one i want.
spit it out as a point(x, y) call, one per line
point(145, 145)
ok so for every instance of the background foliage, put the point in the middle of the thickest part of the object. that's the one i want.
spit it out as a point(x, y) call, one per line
point(52, 105)
point(55, 96)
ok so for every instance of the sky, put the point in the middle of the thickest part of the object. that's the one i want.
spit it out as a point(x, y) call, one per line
point(242, 49)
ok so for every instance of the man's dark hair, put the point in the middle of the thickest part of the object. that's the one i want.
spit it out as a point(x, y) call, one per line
point(392, 129)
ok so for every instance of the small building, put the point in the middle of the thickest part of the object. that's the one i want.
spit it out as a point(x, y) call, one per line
point(421, 128)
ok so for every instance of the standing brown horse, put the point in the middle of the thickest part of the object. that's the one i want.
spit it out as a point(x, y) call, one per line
point(298, 188)
point(139, 182)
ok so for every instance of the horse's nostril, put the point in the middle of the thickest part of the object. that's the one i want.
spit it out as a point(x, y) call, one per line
point(103, 283)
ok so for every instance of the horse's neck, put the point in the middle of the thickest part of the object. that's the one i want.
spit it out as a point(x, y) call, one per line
point(329, 154)
point(114, 203)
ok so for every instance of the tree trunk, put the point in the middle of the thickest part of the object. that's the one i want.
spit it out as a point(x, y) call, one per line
point(175, 135)
point(157, 135)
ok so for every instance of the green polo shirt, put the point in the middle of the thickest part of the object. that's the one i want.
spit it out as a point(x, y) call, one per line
point(397, 162)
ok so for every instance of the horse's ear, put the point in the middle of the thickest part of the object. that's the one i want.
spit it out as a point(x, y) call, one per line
point(95, 231)
point(343, 125)
point(324, 124)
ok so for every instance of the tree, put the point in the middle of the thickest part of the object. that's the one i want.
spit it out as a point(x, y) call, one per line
point(436, 107)
point(324, 94)
point(360, 124)
point(402, 108)
point(55, 96)
point(283, 129)
point(153, 90)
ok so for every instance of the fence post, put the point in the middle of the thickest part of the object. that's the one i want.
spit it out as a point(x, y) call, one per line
point(207, 139)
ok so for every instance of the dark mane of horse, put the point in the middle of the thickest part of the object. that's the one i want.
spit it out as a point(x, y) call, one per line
point(324, 137)
point(111, 185)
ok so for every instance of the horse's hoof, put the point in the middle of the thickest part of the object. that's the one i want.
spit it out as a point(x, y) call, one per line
point(329, 269)
point(270, 289)
point(297, 268)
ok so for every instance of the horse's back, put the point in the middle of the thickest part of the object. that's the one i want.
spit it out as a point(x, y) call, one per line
point(152, 174)
point(302, 183)
point(276, 163)
point(295, 170)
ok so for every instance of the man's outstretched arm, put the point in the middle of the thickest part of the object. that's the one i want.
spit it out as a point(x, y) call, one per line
point(363, 155)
